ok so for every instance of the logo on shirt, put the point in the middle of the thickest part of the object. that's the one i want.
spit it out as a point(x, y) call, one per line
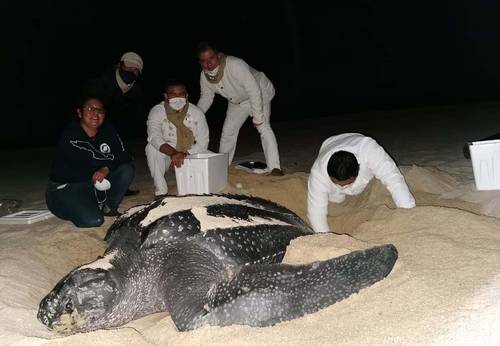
point(96, 154)
point(104, 148)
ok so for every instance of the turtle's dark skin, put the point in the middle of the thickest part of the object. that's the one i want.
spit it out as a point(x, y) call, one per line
point(211, 259)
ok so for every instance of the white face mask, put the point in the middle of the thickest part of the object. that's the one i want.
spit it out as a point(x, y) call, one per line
point(103, 185)
point(177, 103)
point(212, 73)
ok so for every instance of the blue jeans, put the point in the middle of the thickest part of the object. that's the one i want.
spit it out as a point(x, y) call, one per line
point(79, 202)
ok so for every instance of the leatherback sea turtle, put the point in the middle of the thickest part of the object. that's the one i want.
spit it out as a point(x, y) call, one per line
point(207, 260)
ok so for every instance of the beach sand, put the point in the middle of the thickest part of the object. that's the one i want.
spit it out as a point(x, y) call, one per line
point(443, 290)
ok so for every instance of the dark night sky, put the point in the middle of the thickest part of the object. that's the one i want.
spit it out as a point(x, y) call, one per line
point(323, 59)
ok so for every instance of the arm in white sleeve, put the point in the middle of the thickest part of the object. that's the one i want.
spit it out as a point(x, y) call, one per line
point(201, 136)
point(385, 169)
point(155, 119)
point(252, 88)
point(317, 205)
point(206, 94)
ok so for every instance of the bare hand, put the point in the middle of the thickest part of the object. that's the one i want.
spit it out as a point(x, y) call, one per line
point(178, 159)
point(100, 174)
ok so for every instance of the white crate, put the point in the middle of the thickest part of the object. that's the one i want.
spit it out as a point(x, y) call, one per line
point(25, 217)
point(202, 173)
point(485, 157)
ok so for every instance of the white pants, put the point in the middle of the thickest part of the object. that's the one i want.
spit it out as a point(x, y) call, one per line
point(158, 164)
point(235, 118)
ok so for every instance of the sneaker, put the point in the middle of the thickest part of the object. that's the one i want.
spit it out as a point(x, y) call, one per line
point(276, 172)
point(111, 212)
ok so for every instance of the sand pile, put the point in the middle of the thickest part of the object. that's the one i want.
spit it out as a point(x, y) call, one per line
point(443, 289)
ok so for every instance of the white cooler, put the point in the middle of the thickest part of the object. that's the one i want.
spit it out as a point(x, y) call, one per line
point(485, 157)
point(202, 173)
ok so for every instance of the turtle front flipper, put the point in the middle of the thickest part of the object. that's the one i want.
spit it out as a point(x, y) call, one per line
point(263, 295)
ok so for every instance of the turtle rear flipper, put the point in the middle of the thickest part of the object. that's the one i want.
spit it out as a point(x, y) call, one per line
point(263, 295)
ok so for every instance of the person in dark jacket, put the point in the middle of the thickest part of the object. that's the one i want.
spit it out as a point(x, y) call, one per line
point(120, 90)
point(90, 155)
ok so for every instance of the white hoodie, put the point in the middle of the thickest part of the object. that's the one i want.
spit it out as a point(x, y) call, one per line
point(373, 162)
point(239, 83)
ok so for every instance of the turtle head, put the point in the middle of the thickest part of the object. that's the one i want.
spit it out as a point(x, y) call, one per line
point(82, 301)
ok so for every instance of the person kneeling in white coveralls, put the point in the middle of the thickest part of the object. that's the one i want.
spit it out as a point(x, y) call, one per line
point(248, 92)
point(176, 128)
point(345, 165)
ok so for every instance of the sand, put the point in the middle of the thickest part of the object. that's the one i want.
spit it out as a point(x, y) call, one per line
point(444, 289)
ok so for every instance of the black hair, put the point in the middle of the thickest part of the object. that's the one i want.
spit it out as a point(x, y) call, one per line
point(343, 165)
point(175, 81)
point(204, 46)
point(85, 97)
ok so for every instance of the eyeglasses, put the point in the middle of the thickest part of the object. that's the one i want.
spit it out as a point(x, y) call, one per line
point(92, 109)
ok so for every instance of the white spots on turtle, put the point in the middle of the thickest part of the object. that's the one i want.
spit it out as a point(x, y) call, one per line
point(132, 211)
point(173, 204)
point(210, 222)
point(315, 265)
point(101, 263)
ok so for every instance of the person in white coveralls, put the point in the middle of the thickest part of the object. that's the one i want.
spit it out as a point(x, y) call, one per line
point(175, 128)
point(248, 92)
point(345, 165)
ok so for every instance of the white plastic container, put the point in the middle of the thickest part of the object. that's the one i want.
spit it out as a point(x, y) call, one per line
point(25, 217)
point(202, 173)
point(485, 157)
